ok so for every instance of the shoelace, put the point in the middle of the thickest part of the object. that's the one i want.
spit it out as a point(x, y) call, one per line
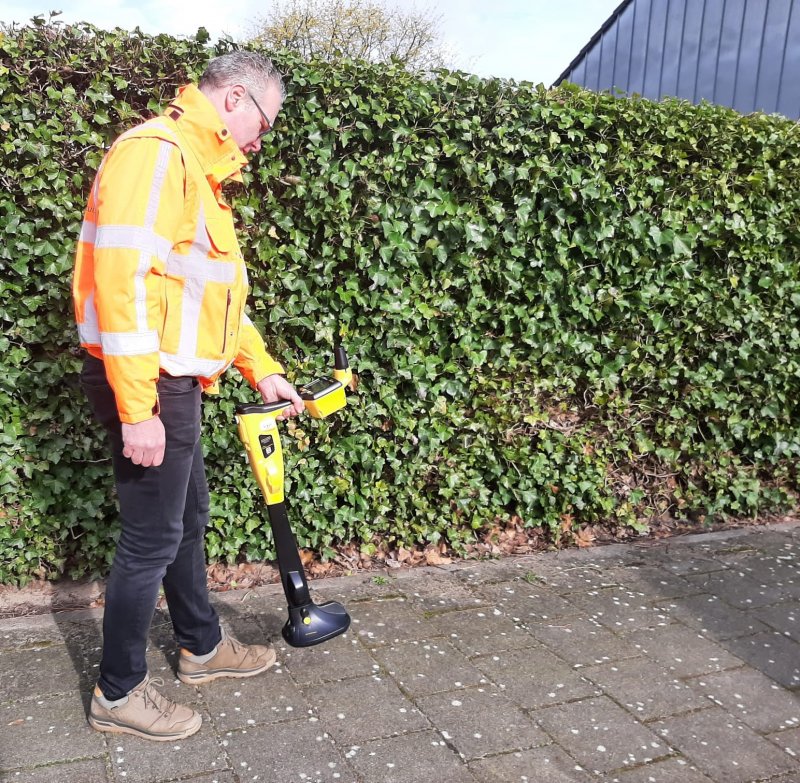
point(236, 645)
point(155, 699)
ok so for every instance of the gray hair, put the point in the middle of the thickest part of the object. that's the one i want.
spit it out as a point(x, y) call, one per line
point(247, 68)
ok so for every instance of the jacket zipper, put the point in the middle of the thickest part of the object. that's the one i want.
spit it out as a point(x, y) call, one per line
point(225, 333)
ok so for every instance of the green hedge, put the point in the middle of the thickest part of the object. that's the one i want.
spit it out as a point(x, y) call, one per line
point(562, 306)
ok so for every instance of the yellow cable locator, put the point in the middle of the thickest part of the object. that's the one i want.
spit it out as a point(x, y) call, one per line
point(308, 623)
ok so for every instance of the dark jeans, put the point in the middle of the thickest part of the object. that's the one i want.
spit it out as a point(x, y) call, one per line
point(164, 513)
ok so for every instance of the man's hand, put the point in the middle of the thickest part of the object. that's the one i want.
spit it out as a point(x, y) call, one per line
point(276, 387)
point(144, 442)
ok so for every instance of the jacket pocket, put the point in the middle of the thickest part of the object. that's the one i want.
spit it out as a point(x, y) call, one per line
point(222, 236)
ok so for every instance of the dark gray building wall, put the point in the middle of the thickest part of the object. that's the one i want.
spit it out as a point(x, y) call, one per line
point(739, 53)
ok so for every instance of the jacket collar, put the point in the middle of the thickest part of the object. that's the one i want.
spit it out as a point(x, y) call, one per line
point(207, 135)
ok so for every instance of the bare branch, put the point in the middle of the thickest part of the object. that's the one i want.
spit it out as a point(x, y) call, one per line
point(359, 29)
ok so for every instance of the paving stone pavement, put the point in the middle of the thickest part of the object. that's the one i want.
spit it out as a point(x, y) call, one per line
point(671, 661)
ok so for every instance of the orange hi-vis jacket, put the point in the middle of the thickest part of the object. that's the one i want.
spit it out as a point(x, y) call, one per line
point(160, 283)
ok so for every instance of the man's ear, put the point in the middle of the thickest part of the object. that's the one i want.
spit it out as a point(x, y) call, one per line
point(235, 94)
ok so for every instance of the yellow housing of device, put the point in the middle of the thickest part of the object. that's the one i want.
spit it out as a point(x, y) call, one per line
point(258, 429)
point(259, 434)
point(323, 396)
point(329, 404)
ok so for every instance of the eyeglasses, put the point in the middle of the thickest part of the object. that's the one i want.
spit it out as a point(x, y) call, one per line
point(266, 130)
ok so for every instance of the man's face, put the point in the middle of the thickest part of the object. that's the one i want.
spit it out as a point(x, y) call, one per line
point(252, 115)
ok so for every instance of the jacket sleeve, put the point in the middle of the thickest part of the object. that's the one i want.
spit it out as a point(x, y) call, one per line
point(253, 361)
point(139, 204)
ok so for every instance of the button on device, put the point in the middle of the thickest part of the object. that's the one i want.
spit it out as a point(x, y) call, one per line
point(267, 445)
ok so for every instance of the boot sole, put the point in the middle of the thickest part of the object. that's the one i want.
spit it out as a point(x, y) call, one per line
point(111, 727)
point(201, 677)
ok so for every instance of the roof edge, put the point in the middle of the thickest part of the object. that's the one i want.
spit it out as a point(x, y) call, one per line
point(593, 40)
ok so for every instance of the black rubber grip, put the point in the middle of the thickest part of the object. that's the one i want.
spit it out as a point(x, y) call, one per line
point(264, 407)
point(340, 358)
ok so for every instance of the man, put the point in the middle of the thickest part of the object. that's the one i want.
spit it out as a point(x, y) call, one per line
point(159, 292)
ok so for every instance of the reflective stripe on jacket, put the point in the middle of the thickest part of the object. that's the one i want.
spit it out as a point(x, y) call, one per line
point(160, 283)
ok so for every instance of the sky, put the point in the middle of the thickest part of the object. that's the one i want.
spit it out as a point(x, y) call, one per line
point(530, 40)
